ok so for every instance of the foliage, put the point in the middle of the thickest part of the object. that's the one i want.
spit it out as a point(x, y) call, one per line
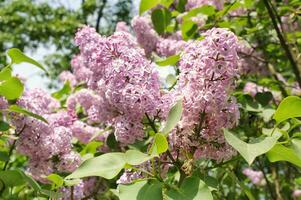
point(224, 125)
point(34, 25)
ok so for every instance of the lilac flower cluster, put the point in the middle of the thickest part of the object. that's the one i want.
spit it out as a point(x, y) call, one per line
point(48, 145)
point(219, 4)
point(125, 84)
point(256, 177)
point(150, 41)
point(297, 193)
point(84, 190)
point(145, 34)
point(208, 69)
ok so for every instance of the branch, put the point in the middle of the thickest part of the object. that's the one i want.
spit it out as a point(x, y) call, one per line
point(100, 14)
point(11, 149)
point(283, 42)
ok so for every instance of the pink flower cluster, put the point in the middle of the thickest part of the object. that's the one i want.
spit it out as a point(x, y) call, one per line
point(48, 145)
point(219, 4)
point(84, 190)
point(123, 85)
point(208, 69)
point(150, 41)
point(297, 193)
point(256, 177)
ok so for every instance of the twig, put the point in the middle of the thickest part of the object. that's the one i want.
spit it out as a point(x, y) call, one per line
point(100, 14)
point(266, 180)
point(12, 147)
point(283, 42)
point(71, 193)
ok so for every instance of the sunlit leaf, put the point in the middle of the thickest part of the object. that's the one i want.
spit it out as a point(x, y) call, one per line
point(18, 57)
point(56, 179)
point(142, 190)
point(160, 144)
point(145, 5)
point(11, 88)
point(107, 166)
point(282, 153)
point(174, 116)
point(250, 151)
point(135, 157)
point(289, 107)
point(169, 61)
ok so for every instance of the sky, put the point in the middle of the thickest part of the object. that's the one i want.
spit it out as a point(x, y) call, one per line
point(32, 74)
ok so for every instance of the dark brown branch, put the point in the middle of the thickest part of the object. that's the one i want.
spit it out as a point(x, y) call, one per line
point(283, 42)
point(100, 14)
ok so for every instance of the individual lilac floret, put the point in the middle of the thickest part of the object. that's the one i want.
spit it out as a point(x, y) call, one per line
point(146, 35)
point(256, 177)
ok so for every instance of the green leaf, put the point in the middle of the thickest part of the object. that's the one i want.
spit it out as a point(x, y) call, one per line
point(145, 5)
point(56, 179)
point(205, 10)
point(11, 88)
point(62, 93)
point(51, 194)
point(250, 151)
point(4, 126)
point(4, 156)
point(71, 182)
point(111, 141)
point(174, 116)
point(192, 188)
point(296, 145)
point(5, 73)
point(18, 57)
point(170, 61)
point(289, 107)
point(166, 3)
point(171, 80)
point(18, 109)
point(188, 29)
point(282, 153)
point(264, 98)
point(12, 178)
point(134, 157)
point(141, 190)
point(161, 17)
point(107, 166)
point(181, 5)
point(31, 181)
point(91, 147)
point(160, 144)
